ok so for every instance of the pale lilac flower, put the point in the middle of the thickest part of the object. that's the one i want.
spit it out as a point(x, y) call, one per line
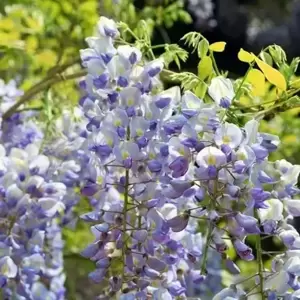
point(221, 90)
point(228, 134)
point(107, 27)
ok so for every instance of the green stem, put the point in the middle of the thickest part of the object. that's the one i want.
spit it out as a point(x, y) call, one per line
point(260, 262)
point(214, 63)
point(139, 227)
point(210, 230)
point(158, 46)
point(253, 106)
point(243, 81)
point(268, 110)
point(208, 240)
point(150, 51)
point(125, 210)
point(290, 94)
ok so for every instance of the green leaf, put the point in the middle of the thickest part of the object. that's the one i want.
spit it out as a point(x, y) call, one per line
point(7, 24)
point(34, 24)
point(286, 71)
point(174, 53)
point(294, 64)
point(188, 80)
point(11, 39)
point(203, 47)
point(267, 58)
point(31, 44)
point(192, 39)
point(88, 7)
point(277, 54)
point(185, 17)
point(295, 83)
point(46, 58)
point(205, 67)
point(200, 90)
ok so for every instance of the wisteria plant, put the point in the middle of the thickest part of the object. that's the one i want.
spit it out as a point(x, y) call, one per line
point(179, 180)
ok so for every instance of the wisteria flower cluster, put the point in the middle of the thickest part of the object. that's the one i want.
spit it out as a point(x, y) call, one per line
point(161, 164)
point(37, 199)
point(173, 183)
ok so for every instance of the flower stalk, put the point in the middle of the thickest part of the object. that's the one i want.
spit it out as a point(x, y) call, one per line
point(260, 262)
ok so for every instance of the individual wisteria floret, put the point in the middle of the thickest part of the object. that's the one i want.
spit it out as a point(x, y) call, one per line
point(9, 93)
point(161, 165)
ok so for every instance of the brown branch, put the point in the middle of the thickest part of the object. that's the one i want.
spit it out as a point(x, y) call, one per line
point(61, 68)
point(56, 78)
point(42, 85)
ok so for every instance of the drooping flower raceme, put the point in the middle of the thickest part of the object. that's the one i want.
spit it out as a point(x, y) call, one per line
point(162, 162)
point(37, 199)
point(27, 211)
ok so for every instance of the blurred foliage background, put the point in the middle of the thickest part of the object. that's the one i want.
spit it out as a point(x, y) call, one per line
point(40, 41)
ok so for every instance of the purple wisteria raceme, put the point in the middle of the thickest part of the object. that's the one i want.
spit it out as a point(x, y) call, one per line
point(38, 192)
point(162, 165)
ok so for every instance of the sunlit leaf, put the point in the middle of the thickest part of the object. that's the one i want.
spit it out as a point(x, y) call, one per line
point(31, 44)
point(67, 6)
point(34, 24)
point(272, 75)
point(257, 79)
point(217, 47)
point(245, 56)
point(289, 139)
point(295, 83)
point(46, 58)
point(89, 7)
point(7, 24)
point(11, 39)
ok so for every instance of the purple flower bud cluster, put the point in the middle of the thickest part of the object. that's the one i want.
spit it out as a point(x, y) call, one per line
point(162, 163)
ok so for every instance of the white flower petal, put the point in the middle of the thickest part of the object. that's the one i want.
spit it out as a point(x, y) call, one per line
point(7, 267)
point(273, 212)
point(278, 282)
point(219, 88)
point(293, 206)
